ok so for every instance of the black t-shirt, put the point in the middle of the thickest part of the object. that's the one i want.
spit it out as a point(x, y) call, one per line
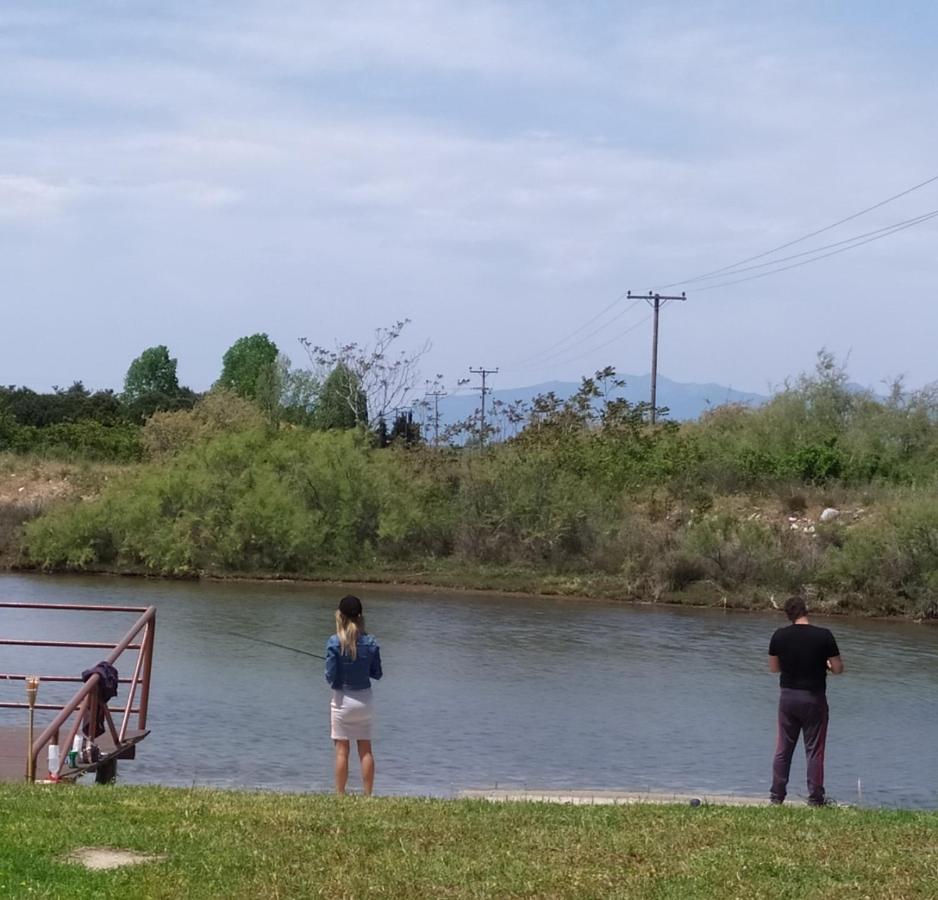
point(803, 652)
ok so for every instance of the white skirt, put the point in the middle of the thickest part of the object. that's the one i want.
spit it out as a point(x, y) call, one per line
point(352, 713)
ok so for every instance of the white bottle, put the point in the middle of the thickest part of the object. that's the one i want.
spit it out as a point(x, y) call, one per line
point(53, 751)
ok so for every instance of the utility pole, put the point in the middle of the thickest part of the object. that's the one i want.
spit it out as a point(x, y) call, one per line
point(483, 372)
point(436, 414)
point(655, 301)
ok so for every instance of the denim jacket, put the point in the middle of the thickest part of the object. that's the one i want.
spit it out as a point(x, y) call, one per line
point(345, 673)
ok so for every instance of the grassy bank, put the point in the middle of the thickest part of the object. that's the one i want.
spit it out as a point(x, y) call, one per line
point(239, 845)
point(31, 484)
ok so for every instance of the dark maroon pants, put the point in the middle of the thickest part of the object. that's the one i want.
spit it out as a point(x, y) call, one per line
point(804, 713)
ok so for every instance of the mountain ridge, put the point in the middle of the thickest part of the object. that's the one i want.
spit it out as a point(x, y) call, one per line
point(685, 401)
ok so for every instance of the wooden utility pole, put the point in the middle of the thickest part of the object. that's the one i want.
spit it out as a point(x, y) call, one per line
point(485, 390)
point(436, 414)
point(655, 301)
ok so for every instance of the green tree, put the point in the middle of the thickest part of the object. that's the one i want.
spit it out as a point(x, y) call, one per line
point(384, 378)
point(152, 372)
point(299, 392)
point(342, 402)
point(151, 385)
point(249, 367)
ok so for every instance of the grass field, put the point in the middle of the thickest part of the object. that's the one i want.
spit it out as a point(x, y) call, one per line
point(263, 845)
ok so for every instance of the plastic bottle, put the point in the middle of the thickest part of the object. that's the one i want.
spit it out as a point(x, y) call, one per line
point(74, 757)
point(53, 751)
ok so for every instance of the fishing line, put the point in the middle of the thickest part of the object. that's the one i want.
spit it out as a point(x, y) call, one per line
point(275, 644)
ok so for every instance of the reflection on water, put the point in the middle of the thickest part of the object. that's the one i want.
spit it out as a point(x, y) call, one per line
point(480, 690)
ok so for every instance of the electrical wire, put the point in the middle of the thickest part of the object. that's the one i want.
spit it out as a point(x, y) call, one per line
point(924, 218)
point(576, 331)
point(601, 346)
point(885, 231)
point(540, 359)
point(728, 270)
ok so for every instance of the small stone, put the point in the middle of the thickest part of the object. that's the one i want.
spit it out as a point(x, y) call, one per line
point(829, 514)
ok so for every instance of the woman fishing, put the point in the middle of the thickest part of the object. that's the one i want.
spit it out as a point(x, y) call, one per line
point(352, 660)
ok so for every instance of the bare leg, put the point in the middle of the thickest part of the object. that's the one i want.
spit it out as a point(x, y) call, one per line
point(341, 766)
point(367, 759)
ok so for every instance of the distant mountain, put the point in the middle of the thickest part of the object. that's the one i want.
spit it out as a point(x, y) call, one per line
point(684, 401)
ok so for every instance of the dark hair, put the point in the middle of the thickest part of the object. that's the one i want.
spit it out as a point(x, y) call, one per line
point(350, 606)
point(795, 608)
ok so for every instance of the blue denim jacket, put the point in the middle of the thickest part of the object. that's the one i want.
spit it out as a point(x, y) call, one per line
point(345, 673)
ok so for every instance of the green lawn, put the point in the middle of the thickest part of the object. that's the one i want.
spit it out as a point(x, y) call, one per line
point(251, 845)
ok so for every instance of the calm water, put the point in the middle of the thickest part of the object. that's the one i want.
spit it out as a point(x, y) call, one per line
point(480, 690)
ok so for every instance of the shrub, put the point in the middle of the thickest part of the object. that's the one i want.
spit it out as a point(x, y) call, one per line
point(893, 557)
point(218, 412)
point(248, 501)
point(86, 439)
point(738, 552)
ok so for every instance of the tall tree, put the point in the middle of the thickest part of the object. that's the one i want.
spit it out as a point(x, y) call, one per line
point(249, 367)
point(152, 372)
point(151, 385)
point(384, 376)
point(342, 402)
point(299, 392)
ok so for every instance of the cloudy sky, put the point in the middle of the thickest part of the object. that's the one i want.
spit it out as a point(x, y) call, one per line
point(190, 172)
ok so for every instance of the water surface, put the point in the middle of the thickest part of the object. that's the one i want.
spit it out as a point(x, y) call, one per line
point(482, 690)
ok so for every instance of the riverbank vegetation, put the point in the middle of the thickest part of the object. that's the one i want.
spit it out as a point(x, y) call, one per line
point(581, 496)
point(246, 845)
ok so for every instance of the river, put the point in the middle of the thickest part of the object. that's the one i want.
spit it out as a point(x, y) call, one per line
point(483, 690)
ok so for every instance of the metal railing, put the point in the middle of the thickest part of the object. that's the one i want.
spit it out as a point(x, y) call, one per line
point(84, 705)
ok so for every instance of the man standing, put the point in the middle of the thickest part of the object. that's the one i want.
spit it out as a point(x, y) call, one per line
point(803, 653)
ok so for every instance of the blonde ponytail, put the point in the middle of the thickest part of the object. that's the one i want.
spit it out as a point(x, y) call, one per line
point(349, 630)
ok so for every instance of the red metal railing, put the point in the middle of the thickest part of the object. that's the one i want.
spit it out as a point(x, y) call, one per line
point(83, 706)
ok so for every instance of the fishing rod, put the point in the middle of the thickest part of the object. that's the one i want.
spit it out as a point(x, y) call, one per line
point(275, 644)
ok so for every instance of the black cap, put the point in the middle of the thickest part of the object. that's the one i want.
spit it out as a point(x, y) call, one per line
point(350, 606)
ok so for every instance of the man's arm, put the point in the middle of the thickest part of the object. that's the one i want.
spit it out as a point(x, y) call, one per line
point(835, 665)
point(774, 665)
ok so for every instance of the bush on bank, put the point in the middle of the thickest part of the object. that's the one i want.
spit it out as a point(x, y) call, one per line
point(587, 490)
point(85, 439)
point(301, 503)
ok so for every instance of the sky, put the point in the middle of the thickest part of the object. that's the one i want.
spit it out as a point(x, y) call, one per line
point(187, 173)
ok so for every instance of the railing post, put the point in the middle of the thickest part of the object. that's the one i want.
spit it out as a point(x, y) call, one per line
point(147, 650)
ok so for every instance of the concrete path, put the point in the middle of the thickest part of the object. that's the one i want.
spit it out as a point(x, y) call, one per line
point(591, 798)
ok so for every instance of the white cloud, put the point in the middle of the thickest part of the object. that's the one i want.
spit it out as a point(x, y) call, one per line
point(25, 197)
point(394, 153)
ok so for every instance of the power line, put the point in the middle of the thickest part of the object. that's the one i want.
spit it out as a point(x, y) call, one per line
point(742, 262)
point(540, 359)
point(586, 324)
point(885, 231)
point(804, 262)
point(606, 343)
